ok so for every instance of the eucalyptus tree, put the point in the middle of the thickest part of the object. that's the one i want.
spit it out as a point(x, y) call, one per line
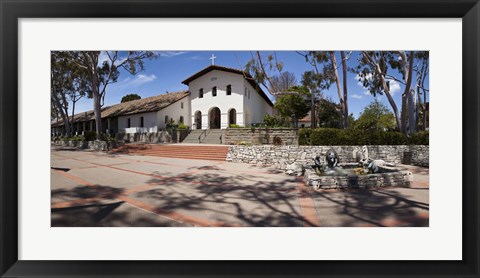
point(68, 86)
point(373, 72)
point(421, 69)
point(61, 84)
point(102, 73)
point(325, 67)
point(263, 68)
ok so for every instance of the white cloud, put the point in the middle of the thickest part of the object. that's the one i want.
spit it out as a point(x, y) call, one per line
point(137, 80)
point(394, 87)
point(367, 93)
point(167, 54)
point(103, 57)
point(195, 58)
point(360, 80)
point(357, 96)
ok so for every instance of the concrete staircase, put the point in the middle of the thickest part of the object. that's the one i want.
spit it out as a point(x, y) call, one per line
point(217, 153)
point(192, 137)
point(209, 136)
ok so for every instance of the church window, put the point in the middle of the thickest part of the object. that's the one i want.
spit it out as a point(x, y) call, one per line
point(245, 91)
point(181, 120)
point(128, 123)
point(214, 91)
point(166, 119)
point(200, 93)
point(141, 121)
point(229, 90)
point(181, 105)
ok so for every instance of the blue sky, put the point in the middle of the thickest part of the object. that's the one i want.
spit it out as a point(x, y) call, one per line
point(166, 73)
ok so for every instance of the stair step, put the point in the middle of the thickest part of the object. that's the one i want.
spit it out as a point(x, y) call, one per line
point(217, 153)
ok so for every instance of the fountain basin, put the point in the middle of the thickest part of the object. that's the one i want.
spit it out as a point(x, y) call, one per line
point(345, 177)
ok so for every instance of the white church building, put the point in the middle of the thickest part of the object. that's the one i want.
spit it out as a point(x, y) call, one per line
point(217, 97)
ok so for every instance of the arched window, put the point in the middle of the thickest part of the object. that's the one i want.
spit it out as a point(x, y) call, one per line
point(214, 91)
point(232, 117)
point(166, 119)
point(181, 120)
point(200, 93)
point(229, 90)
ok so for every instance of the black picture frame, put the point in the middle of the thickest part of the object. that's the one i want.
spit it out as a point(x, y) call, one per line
point(11, 11)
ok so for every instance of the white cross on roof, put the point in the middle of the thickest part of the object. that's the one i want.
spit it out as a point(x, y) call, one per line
point(213, 59)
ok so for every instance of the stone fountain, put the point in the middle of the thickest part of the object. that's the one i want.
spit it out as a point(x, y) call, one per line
point(365, 173)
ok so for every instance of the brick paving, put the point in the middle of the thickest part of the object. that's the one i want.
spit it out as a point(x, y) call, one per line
point(95, 189)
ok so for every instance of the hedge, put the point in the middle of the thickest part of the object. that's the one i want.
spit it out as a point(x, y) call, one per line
point(342, 137)
point(420, 138)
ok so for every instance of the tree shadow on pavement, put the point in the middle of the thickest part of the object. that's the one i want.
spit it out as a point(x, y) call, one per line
point(372, 207)
point(235, 199)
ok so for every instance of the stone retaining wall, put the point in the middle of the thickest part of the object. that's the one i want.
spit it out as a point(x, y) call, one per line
point(163, 136)
point(259, 136)
point(269, 154)
point(91, 145)
point(420, 155)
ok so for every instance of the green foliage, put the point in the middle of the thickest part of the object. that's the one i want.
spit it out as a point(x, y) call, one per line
point(182, 126)
point(375, 116)
point(130, 97)
point(90, 136)
point(304, 135)
point(420, 138)
point(234, 126)
point(74, 138)
point(171, 124)
point(274, 121)
point(292, 105)
point(329, 114)
point(106, 137)
point(342, 137)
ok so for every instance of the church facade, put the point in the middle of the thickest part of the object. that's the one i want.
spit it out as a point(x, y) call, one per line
point(220, 97)
point(217, 98)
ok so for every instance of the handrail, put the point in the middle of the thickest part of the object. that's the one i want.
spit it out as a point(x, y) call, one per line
point(199, 137)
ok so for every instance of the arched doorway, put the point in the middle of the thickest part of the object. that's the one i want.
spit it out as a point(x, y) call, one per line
point(214, 118)
point(232, 117)
point(198, 120)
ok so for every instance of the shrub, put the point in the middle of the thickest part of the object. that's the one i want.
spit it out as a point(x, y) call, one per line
point(342, 137)
point(182, 126)
point(234, 126)
point(420, 138)
point(106, 137)
point(304, 136)
point(277, 141)
point(171, 124)
point(90, 136)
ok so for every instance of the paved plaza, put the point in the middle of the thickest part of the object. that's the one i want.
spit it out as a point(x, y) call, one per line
point(95, 189)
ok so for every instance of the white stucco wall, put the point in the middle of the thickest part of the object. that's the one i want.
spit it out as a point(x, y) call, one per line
point(220, 79)
point(255, 106)
point(149, 121)
point(174, 111)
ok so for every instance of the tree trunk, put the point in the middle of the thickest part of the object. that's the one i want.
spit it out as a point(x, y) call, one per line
point(406, 95)
point(390, 100)
point(73, 114)
point(96, 103)
point(64, 116)
point(337, 82)
point(412, 113)
point(312, 109)
point(345, 92)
